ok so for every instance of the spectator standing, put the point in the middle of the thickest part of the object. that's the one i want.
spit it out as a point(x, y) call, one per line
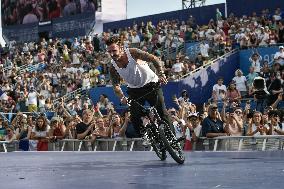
point(70, 8)
point(32, 100)
point(212, 125)
point(40, 134)
point(241, 83)
point(275, 127)
point(30, 17)
point(233, 94)
point(250, 77)
point(86, 126)
point(219, 90)
point(273, 87)
point(279, 56)
point(255, 60)
point(204, 48)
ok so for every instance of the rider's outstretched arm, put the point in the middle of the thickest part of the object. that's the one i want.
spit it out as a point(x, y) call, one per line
point(115, 80)
point(142, 55)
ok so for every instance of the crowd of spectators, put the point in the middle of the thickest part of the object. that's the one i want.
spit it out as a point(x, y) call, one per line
point(33, 11)
point(62, 66)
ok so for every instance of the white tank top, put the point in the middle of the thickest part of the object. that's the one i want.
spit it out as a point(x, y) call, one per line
point(136, 75)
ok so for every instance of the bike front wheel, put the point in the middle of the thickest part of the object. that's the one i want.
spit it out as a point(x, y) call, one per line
point(171, 143)
point(157, 146)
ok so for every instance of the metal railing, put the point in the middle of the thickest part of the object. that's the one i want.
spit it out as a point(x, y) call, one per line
point(244, 143)
point(30, 67)
point(69, 96)
point(211, 62)
point(228, 143)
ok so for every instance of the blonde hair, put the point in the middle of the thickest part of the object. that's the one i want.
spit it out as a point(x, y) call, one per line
point(238, 70)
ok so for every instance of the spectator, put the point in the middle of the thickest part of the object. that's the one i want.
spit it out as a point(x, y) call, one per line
point(57, 129)
point(255, 126)
point(178, 122)
point(241, 83)
point(30, 17)
point(116, 128)
point(204, 49)
point(40, 134)
point(233, 125)
point(23, 133)
point(32, 100)
point(70, 8)
point(10, 136)
point(250, 77)
point(86, 127)
point(102, 130)
point(193, 126)
point(233, 94)
point(219, 90)
point(2, 129)
point(279, 56)
point(212, 125)
point(274, 88)
point(275, 127)
point(177, 69)
point(255, 60)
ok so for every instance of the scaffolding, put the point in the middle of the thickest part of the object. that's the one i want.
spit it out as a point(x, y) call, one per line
point(187, 4)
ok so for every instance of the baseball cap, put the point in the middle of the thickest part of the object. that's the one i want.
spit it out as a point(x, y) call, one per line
point(281, 47)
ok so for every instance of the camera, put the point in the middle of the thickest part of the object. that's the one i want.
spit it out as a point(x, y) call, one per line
point(260, 88)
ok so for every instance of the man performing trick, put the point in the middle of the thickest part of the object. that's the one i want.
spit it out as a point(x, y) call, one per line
point(143, 84)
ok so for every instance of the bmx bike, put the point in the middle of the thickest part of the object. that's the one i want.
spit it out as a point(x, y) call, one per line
point(160, 135)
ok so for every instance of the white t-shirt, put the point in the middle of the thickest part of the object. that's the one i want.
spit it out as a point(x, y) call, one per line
point(280, 57)
point(197, 130)
point(220, 91)
point(204, 50)
point(177, 67)
point(41, 103)
point(240, 83)
point(75, 58)
point(41, 133)
point(86, 83)
point(135, 39)
point(263, 37)
point(256, 64)
point(32, 98)
point(278, 128)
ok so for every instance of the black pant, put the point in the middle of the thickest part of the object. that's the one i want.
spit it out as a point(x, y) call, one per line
point(153, 94)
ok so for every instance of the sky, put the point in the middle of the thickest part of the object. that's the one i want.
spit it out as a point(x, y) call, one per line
point(137, 8)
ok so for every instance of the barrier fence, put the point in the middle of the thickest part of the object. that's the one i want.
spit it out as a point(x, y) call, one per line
point(228, 143)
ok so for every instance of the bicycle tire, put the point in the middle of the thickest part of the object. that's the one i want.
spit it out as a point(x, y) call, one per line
point(175, 151)
point(162, 155)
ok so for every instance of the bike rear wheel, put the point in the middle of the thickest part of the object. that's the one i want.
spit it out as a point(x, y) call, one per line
point(171, 144)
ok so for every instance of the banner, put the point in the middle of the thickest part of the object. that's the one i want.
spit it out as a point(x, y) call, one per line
point(192, 49)
point(200, 84)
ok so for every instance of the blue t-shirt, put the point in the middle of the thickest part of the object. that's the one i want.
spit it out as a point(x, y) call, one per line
point(211, 126)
